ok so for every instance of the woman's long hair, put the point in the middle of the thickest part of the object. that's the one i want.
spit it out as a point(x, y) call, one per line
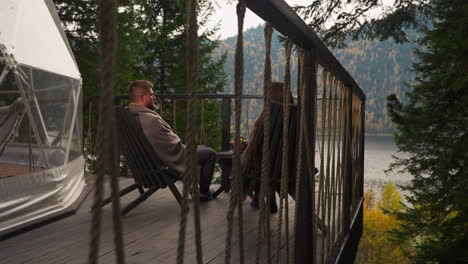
point(251, 167)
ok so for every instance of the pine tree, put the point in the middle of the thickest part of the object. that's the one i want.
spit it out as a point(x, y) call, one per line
point(151, 45)
point(433, 128)
point(336, 20)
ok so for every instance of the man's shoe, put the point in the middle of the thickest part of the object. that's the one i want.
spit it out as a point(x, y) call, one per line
point(206, 196)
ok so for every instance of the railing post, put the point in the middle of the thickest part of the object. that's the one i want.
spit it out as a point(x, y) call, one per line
point(225, 123)
point(305, 239)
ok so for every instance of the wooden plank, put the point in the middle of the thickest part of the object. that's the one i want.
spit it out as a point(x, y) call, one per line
point(150, 234)
point(140, 223)
point(250, 236)
point(11, 169)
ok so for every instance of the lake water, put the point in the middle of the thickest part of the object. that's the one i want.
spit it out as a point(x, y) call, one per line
point(377, 158)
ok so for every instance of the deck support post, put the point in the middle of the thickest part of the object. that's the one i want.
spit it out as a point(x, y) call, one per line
point(305, 239)
point(225, 123)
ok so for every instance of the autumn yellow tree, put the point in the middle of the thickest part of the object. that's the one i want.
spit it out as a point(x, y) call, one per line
point(375, 245)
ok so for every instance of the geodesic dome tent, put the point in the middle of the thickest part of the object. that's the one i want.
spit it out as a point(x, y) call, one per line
point(41, 160)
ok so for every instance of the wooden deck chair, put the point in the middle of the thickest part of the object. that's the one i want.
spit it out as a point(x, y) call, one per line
point(148, 171)
point(276, 152)
point(276, 146)
point(10, 119)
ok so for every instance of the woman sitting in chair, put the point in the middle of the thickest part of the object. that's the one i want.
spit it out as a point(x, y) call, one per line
point(251, 159)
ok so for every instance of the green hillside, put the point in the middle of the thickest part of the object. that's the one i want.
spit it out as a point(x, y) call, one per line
point(379, 67)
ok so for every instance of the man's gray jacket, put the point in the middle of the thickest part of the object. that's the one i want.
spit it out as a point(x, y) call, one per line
point(164, 141)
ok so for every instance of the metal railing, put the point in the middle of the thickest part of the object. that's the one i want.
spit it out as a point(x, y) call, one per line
point(343, 188)
point(340, 212)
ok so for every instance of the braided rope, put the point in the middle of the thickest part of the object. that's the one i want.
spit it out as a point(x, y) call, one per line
point(335, 103)
point(191, 176)
point(285, 157)
point(300, 149)
point(353, 147)
point(264, 213)
point(328, 176)
point(340, 156)
point(345, 152)
point(355, 144)
point(237, 193)
point(247, 107)
point(107, 21)
point(312, 182)
point(321, 205)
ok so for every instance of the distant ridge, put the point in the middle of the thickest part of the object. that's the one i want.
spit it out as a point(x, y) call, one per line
point(379, 67)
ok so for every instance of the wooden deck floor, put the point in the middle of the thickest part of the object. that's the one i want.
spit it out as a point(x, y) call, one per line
point(150, 234)
point(11, 169)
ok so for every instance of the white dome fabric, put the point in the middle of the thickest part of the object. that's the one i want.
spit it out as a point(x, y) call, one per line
point(29, 32)
point(41, 159)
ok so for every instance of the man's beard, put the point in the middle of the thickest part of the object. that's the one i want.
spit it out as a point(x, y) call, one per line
point(152, 106)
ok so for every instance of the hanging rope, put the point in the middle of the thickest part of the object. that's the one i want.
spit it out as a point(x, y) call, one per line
point(237, 192)
point(340, 155)
point(328, 172)
point(333, 179)
point(345, 152)
point(300, 148)
point(355, 144)
point(317, 222)
point(107, 21)
point(285, 158)
point(247, 106)
point(190, 175)
point(264, 212)
point(321, 205)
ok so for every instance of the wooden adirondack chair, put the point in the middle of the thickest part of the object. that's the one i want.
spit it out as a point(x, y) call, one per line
point(148, 171)
point(276, 153)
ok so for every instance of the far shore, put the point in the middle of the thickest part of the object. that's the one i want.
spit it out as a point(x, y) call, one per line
point(379, 134)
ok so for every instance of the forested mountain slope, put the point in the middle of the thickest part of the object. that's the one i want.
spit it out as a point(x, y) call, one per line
point(379, 67)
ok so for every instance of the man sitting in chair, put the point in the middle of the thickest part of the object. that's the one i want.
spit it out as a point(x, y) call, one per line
point(165, 142)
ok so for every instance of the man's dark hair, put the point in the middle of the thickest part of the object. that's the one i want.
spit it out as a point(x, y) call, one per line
point(138, 88)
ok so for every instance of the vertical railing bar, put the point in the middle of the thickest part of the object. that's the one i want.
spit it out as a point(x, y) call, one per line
point(306, 238)
point(225, 123)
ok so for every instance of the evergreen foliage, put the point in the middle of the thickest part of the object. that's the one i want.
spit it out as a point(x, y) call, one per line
point(337, 20)
point(151, 45)
point(432, 128)
point(379, 67)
